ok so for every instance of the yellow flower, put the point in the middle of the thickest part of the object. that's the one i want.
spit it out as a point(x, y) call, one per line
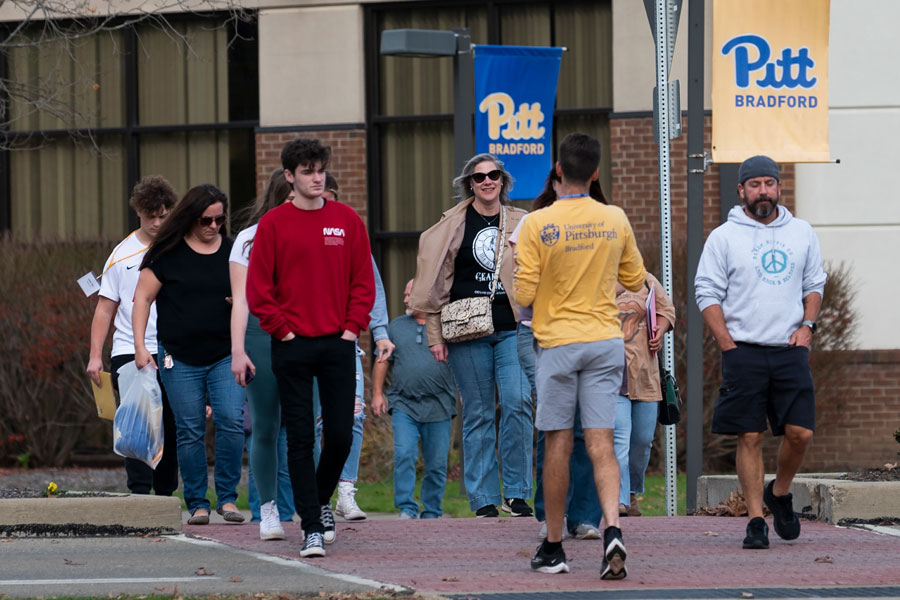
point(51, 489)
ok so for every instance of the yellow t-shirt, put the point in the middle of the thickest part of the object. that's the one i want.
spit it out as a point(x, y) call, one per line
point(568, 259)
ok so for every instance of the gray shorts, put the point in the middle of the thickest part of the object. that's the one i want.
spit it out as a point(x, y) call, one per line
point(588, 375)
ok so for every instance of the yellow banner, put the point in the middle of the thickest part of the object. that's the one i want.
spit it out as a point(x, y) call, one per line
point(770, 80)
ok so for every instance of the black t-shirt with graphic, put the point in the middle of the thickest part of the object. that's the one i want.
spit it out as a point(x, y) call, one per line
point(474, 267)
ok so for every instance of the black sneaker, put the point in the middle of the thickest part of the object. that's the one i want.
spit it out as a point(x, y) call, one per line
point(757, 534)
point(613, 566)
point(328, 523)
point(516, 507)
point(313, 546)
point(488, 510)
point(786, 523)
point(546, 562)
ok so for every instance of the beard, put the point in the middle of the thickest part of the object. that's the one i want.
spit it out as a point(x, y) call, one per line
point(409, 312)
point(763, 207)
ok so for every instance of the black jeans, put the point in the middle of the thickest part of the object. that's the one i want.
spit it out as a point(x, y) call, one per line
point(141, 478)
point(332, 361)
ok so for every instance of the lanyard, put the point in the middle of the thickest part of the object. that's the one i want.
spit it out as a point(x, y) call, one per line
point(572, 196)
point(144, 249)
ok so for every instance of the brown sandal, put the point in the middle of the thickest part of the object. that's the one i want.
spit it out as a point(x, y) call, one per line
point(231, 516)
point(198, 519)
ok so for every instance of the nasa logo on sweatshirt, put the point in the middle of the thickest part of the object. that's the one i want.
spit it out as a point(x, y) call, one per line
point(774, 262)
point(334, 236)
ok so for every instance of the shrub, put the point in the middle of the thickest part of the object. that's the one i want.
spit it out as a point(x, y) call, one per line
point(829, 359)
point(45, 395)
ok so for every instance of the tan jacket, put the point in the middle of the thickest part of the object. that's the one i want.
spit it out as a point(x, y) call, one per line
point(643, 367)
point(438, 247)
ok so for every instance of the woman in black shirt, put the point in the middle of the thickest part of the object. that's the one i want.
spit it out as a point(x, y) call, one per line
point(456, 260)
point(186, 272)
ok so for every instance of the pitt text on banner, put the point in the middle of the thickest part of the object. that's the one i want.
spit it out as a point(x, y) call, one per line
point(515, 94)
point(770, 80)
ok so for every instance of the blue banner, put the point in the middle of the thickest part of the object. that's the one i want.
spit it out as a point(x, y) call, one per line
point(515, 95)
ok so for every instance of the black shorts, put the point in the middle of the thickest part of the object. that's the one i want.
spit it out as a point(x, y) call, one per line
point(760, 382)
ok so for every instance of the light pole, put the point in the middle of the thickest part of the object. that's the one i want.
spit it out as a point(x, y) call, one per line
point(437, 43)
point(428, 43)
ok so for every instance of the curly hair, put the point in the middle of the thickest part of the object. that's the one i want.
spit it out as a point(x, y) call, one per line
point(152, 194)
point(304, 151)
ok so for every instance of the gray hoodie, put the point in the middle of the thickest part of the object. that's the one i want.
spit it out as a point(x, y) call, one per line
point(760, 274)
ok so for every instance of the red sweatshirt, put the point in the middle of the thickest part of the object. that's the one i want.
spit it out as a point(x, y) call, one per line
point(311, 271)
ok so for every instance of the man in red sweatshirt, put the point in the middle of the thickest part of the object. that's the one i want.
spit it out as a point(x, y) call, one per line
point(311, 284)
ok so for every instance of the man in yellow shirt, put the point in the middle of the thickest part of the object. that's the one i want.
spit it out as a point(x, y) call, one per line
point(569, 257)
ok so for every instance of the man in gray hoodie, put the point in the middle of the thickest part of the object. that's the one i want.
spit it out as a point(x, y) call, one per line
point(759, 287)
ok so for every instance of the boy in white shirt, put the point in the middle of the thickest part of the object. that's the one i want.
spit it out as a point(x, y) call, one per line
point(152, 198)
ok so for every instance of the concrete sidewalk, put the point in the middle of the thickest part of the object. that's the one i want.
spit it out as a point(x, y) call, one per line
point(678, 554)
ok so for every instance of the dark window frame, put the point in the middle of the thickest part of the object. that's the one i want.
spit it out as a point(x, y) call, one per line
point(132, 130)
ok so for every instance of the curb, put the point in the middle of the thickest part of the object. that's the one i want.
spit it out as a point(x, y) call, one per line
point(114, 514)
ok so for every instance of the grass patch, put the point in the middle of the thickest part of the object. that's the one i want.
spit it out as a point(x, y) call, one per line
point(378, 497)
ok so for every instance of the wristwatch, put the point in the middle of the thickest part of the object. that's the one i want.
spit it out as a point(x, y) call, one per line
point(810, 324)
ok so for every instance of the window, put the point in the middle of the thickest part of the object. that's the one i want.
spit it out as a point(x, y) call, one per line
point(410, 108)
point(122, 104)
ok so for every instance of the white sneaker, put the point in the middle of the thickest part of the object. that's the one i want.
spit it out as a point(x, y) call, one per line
point(328, 523)
point(565, 530)
point(346, 503)
point(270, 524)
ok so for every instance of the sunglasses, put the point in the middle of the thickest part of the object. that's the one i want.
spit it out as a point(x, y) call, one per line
point(207, 221)
point(493, 175)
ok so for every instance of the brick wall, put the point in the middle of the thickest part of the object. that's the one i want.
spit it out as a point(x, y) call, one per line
point(858, 432)
point(635, 179)
point(855, 433)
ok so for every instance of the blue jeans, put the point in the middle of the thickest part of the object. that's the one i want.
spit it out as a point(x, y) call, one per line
point(284, 498)
point(582, 503)
point(435, 446)
point(187, 387)
point(633, 437)
point(350, 471)
point(479, 366)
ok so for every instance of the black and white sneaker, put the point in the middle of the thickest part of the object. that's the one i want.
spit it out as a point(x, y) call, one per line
point(488, 510)
point(313, 546)
point(614, 554)
point(757, 537)
point(785, 520)
point(516, 507)
point(328, 523)
point(546, 562)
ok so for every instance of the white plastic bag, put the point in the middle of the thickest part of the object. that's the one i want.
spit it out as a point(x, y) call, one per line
point(137, 426)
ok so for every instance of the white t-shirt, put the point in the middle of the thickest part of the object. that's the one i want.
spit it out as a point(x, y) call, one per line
point(238, 254)
point(120, 278)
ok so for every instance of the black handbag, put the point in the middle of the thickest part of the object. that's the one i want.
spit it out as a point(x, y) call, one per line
point(670, 405)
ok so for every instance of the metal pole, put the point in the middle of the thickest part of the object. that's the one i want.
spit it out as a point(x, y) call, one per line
point(463, 147)
point(665, 230)
point(696, 169)
point(463, 99)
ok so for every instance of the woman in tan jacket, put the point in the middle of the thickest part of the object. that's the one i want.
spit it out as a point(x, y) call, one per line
point(636, 412)
point(456, 260)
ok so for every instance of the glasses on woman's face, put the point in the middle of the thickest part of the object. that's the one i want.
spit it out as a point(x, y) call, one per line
point(493, 176)
point(208, 221)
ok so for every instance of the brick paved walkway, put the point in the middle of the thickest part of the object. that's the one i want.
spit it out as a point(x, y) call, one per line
point(457, 556)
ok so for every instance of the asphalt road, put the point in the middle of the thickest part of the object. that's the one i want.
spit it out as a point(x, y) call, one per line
point(101, 567)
